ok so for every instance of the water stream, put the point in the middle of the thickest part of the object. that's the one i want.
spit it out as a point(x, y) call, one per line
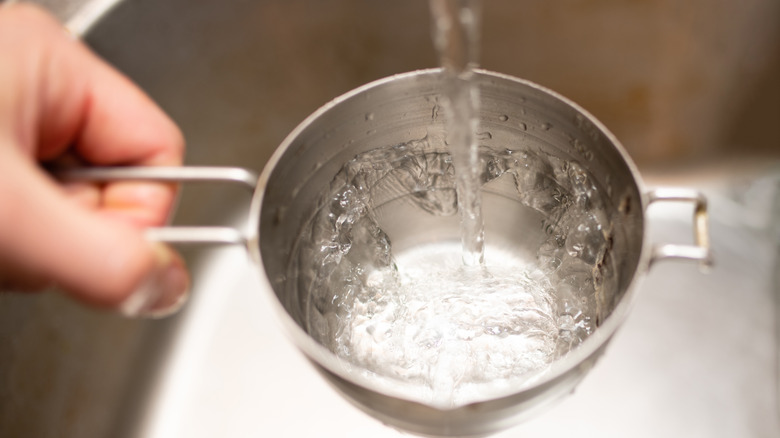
point(456, 38)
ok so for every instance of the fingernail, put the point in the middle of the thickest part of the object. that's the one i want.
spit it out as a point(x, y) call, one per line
point(164, 291)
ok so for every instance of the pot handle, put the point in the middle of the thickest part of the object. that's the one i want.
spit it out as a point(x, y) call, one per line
point(173, 234)
point(700, 251)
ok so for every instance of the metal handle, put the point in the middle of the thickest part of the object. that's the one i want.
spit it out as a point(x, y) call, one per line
point(172, 234)
point(701, 250)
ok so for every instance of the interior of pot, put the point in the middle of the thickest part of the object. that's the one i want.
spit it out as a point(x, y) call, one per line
point(365, 187)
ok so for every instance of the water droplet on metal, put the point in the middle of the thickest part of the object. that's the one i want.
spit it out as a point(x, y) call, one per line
point(503, 118)
point(369, 116)
point(546, 126)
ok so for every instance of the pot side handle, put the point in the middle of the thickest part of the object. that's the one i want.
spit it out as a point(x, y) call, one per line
point(700, 251)
point(173, 234)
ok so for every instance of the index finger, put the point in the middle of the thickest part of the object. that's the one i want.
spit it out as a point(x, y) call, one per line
point(85, 103)
point(80, 103)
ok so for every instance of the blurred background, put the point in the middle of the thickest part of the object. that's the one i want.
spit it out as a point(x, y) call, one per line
point(691, 89)
point(684, 82)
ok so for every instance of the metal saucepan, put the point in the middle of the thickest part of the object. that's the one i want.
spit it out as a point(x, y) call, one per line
point(546, 129)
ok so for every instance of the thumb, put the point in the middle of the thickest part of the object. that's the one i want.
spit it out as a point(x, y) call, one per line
point(91, 256)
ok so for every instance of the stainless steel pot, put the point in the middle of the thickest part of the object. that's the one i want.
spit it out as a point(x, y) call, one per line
point(403, 108)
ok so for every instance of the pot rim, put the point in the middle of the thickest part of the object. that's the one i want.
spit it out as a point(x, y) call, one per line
point(351, 373)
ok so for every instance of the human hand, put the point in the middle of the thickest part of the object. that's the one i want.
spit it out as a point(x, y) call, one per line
point(59, 102)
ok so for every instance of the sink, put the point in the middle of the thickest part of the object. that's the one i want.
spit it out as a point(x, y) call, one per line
point(687, 88)
point(696, 356)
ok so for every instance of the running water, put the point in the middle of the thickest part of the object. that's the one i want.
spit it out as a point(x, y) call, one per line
point(449, 323)
point(456, 38)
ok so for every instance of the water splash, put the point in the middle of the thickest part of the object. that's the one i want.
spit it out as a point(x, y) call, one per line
point(422, 317)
